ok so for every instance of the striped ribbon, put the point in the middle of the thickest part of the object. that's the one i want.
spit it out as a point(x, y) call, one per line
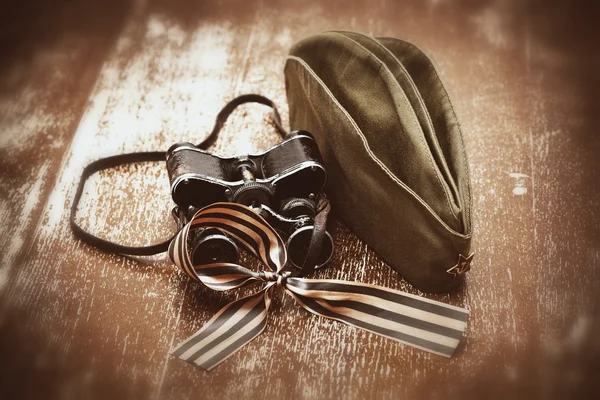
point(426, 324)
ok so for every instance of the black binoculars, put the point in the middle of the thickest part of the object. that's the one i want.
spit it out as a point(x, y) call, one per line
point(282, 184)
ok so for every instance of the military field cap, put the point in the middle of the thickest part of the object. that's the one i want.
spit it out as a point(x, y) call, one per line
point(397, 169)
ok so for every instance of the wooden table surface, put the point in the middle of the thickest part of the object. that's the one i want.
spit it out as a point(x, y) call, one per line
point(80, 80)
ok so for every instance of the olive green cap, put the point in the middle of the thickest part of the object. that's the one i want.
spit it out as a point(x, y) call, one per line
point(397, 169)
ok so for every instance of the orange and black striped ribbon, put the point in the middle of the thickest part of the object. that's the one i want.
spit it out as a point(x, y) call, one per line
point(413, 320)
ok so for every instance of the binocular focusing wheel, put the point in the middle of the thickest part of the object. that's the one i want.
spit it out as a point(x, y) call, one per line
point(253, 193)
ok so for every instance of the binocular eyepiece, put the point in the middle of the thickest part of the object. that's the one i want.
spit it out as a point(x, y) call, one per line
point(213, 246)
point(210, 245)
point(299, 242)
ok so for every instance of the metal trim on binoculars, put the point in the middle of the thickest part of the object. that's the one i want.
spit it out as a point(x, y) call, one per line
point(272, 180)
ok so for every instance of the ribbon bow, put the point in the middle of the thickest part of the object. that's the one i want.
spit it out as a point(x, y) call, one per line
point(413, 320)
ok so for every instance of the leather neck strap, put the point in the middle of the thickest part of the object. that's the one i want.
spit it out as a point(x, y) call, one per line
point(114, 161)
point(317, 238)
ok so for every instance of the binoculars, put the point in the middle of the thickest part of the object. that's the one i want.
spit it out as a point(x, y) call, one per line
point(282, 184)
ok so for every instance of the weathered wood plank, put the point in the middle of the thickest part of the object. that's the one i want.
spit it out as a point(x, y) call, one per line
point(45, 55)
point(87, 324)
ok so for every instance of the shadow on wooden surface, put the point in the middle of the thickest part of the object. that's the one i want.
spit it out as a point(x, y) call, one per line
point(80, 80)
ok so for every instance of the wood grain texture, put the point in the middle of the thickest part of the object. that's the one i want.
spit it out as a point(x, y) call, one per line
point(79, 323)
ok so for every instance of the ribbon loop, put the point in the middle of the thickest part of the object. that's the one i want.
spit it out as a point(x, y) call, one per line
point(426, 324)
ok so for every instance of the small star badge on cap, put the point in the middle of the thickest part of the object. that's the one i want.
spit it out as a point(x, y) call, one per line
point(463, 265)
